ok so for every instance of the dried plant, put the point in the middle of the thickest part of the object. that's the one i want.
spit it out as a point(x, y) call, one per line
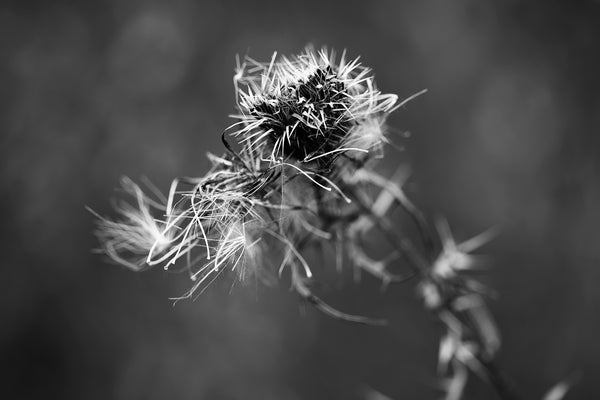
point(298, 172)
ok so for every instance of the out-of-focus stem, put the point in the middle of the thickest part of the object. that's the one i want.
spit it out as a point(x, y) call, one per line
point(420, 266)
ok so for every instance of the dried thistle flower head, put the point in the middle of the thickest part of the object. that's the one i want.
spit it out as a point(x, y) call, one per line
point(215, 221)
point(311, 108)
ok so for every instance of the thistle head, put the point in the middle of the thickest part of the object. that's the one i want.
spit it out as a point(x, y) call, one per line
point(209, 216)
point(311, 108)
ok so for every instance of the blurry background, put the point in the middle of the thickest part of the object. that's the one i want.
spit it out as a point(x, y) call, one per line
point(506, 136)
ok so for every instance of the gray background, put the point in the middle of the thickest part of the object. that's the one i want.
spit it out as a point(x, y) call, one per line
point(507, 136)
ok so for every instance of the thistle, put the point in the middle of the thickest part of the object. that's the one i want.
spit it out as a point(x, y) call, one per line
point(297, 173)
